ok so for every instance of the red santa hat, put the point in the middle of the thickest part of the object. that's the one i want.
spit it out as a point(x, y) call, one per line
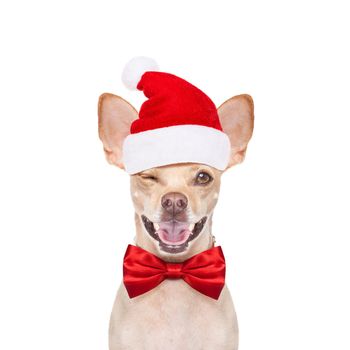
point(177, 124)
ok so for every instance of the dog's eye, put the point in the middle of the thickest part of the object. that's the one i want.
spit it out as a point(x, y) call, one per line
point(148, 177)
point(203, 178)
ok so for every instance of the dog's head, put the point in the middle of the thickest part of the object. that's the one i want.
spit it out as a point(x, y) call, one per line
point(174, 203)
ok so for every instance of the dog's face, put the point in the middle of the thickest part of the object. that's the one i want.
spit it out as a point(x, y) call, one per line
point(174, 203)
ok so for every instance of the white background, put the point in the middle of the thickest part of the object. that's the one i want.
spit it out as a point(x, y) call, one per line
point(283, 215)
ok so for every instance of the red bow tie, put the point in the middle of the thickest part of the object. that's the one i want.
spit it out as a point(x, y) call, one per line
point(204, 272)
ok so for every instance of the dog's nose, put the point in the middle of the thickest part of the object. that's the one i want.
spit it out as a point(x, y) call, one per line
point(174, 202)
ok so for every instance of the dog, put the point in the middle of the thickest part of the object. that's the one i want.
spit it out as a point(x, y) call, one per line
point(174, 206)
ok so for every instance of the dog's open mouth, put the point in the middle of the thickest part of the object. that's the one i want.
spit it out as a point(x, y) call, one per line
point(173, 236)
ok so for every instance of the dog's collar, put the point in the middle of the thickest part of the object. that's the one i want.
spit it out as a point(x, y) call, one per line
point(213, 240)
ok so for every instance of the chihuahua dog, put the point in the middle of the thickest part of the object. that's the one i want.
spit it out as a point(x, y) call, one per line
point(174, 207)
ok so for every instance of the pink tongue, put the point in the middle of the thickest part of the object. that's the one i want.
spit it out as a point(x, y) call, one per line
point(173, 232)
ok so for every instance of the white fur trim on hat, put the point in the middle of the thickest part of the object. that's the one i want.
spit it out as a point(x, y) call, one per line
point(135, 68)
point(176, 144)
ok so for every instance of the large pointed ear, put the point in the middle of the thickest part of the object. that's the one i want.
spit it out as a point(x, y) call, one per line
point(237, 121)
point(115, 116)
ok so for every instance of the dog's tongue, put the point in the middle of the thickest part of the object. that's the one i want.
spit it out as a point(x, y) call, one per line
point(173, 232)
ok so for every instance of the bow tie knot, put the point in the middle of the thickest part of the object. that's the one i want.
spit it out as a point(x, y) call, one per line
point(204, 272)
point(173, 271)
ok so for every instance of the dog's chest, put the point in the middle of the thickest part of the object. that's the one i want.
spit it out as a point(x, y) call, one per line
point(173, 316)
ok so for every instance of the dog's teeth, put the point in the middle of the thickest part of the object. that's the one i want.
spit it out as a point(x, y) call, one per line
point(191, 227)
point(156, 226)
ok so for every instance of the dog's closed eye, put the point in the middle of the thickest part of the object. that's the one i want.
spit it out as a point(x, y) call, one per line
point(146, 176)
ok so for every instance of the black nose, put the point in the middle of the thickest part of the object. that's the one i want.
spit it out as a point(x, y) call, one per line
point(174, 202)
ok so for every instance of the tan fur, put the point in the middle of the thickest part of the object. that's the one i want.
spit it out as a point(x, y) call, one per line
point(174, 316)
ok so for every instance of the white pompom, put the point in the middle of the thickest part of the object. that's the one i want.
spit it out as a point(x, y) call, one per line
point(135, 68)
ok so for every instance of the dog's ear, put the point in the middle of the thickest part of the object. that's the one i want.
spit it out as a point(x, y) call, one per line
point(237, 121)
point(115, 116)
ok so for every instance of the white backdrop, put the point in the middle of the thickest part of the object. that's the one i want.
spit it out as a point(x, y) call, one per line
point(282, 217)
